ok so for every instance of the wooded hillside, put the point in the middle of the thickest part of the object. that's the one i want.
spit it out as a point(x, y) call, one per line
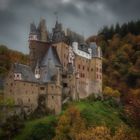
point(7, 57)
point(121, 63)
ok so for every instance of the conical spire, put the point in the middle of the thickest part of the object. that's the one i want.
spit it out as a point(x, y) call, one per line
point(32, 28)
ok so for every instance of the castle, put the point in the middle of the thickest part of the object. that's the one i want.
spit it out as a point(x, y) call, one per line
point(62, 67)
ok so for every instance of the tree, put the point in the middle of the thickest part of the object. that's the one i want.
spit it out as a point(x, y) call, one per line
point(69, 125)
point(97, 133)
point(42, 131)
point(132, 107)
point(109, 92)
point(11, 127)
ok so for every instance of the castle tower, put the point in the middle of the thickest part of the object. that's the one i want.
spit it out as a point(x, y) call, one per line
point(96, 71)
point(33, 35)
point(37, 50)
point(51, 76)
point(38, 43)
point(42, 29)
point(58, 33)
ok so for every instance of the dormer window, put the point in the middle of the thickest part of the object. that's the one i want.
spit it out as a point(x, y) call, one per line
point(17, 76)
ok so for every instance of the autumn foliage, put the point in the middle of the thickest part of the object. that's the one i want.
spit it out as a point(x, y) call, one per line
point(7, 57)
point(71, 126)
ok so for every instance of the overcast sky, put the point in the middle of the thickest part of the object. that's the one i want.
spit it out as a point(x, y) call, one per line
point(83, 16)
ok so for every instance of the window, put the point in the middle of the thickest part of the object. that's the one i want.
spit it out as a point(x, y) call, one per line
point(83, 75)
point(65, 85)
point(91, 69)
point(64, 76)
point(79, 66)
point(42, 88)
point(83, 67)
point(52, 97)
point(29, 100)
point(11, 84)
point(97, 76)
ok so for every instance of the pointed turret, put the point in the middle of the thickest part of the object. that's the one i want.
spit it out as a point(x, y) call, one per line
point(42, 29)
point(58, 33)
point(33, 32)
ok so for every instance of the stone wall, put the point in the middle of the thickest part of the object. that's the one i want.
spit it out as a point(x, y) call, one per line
point(21, 92)
point(54, 97)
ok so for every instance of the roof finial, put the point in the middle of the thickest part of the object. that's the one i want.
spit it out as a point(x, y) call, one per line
point(56, 14)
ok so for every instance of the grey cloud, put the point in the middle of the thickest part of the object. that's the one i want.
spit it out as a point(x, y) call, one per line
point(84, 16)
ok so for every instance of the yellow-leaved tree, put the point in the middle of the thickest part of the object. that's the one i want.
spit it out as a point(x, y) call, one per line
point(109, 92)
point(70, 124)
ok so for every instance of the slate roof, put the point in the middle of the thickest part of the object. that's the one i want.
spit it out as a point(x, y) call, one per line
point(51, 55)
point(33, 28)
point(26, 72)
point(94, 48)
point(49, 66)
point(83, 47)
point(48, 73)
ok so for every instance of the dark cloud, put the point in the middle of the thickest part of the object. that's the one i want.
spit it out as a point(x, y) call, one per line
point(83, 16)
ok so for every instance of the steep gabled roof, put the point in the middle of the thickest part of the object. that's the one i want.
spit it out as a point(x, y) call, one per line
point(51, 55)
point(49, 66)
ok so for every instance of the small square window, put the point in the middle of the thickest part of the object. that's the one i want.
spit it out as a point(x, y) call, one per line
point(42, 88)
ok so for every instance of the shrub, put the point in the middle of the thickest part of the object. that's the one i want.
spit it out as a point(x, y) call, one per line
point(109, 92)
point(42, 131)
point(11, 127)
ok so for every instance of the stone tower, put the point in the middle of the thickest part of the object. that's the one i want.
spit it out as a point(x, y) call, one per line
point(38, 43)
point(33, 35)
point(96, 61)
point(58, 33)
point(42, 29)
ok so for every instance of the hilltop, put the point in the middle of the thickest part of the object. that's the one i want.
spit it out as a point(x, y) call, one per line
point(90, 118)
point(97, 114)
